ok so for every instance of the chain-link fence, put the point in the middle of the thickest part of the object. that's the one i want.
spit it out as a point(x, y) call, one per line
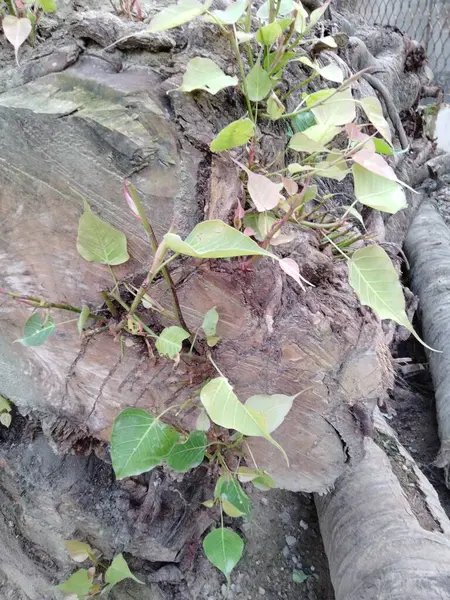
point(426, 21)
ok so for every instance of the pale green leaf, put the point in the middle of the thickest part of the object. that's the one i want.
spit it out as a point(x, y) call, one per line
point(299, 576)
point(382, 147)
point(170, 341)
point(378, 192)
point(5, 419)
point(314, 139)
point(78, 551)
point(209, 503)
point(78, 584)
point(336, 108)
point(225, 409)
point(301, 20)
point(331, 72)
point(210, 321)
point(274, 407)
point(214, 239)
point(275, 107)
point(332, 169)
point(177, 14)
point(5, 405)
point(99, 241)
point(374, 112)
point(189, 454)
point(286, 7)
point(258, 83)
point(230, 490)
point(118, 570)
point(139, 442)
point(265, 222)
point(204, 74)
point(223, 548)
point(317, 14)
point(243, 36)
point(375, 281)
point(267, 34)
point(47, 6)
point(303, 121)
point(351, 210)
point(84, 315)
point(260, 479)
point(231, 14)
point(202, 422)
point(36, 331)
point(233, 135)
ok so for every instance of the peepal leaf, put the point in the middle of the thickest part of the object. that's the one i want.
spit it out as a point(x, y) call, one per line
point(177, 14)
point(214, 239)
point(378, 192)
point(78, 551)
point(374, 112)
point(233, 135)
point(84, 316)
point(267, 34)
point(202, 422)
point(47, 5)
point(274, 407)
point(170, 342)
point(382, 147)
point(16, 32)
point(139, 442)
point(118, 570)
point(189, 454)
point(78, 584)
point(36, 331)
point(232, 13)
point(258, 83)
point(5, 405)
point(230, 492)
point(204, 74)
point(209, 326)
point(223, 548)
point(332, 72)
point(375, 163)
point(5, 419)
point(99, 241)
point(290, 267)
point(225, 409)
point(260, 479)
point(285, 8)
point(375, 281)
point(265, 193)
point(336, 108)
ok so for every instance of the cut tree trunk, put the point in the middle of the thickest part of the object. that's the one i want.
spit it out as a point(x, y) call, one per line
point(385, 533)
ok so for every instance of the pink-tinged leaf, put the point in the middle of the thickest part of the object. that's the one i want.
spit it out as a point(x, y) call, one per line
point(290, 267)
point(375, 163)
point(290, 185)
point(16, 32)
point(249, 231)
point(129, 198)
point(240, 212)
point(355, 135)
point(264, 193)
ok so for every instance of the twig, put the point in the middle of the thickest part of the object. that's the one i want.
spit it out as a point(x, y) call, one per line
point(41, 303)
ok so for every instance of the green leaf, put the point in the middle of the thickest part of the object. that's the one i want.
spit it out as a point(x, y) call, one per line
point(258, 83)
point(378, 192)
point(233, 135)
point(78, 584)
point(139, 442)
point(229, 490)
point(189, 454)
point(5, 405)
point(84, 316)
point(382, 147)
point(204, 74)
point(374, 112)
point(331, 72)
point(99, 241)
point(267, 34)
point(336, 110)
point(177, 14)
point(36, 331)
point(5, 419)
point(286, 7)
point(223, 548)
point(303, 121)
point(274, 408)
point(170, 342)
point(209, 503)
point(232, 13)
point(118, 571)
point(225, 410)
point(214, 239)
point(260, 479)
point(314, 139)
point(210, 321)
point(299, 576)
point(317, 14)
point(275, 107)
point(351, 210)
point(47, 6)
point(375, 281)
point(78, 551)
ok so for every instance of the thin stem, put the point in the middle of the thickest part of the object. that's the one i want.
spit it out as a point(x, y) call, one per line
point(251, 454)
point(41, 303)
point(11, 8)
point(112, 309)
point(214, 365)
point(247, 28)
point(237, 54)
point(336, 246)
point(193, 341)
point(135, 317)
point(299, 86)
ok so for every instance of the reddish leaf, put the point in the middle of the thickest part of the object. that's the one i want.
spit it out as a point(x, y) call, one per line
point(290, 185)
point(264, 192)
point(290, 267)
point(375, 163)
point(355, 135)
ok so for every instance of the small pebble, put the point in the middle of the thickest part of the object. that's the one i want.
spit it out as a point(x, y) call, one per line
point(233, 586)
point(294, 559)
point(285, 517)
point(261, 591)
point(304, 525)
point(223, 589)
point(291, 540)
point(313, 568)
point(264, 501)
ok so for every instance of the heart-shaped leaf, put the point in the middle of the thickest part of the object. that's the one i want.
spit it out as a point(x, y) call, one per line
point(79, 551)
point(175, 15)
point(260, 479)
point(275, 107)
point(223, 548)
point(274, 407)
point(266, 194)
point(231, 14)
point(331, 72)
point(290, 267)
point(375, 163)
point(285, 7)
point(118, 570)
point(267, 34)
point(258, 83)
point(336, 108)
point(36, 330)
point(229, 490)
point(78, 584)
point(204, 74)
point(233, 135)
point(374, 112)
point(214, 239)
point(16, 32)
point(314, 139)
point(99, 241)
point(378, 192)
point(189, 454)
point(170, 342)
point(139, 442)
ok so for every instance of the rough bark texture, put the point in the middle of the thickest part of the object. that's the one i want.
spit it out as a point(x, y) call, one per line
point(385, 534)
point(429, 257)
